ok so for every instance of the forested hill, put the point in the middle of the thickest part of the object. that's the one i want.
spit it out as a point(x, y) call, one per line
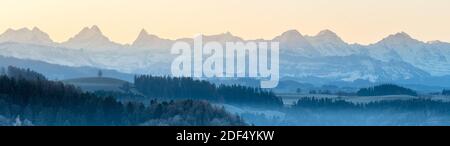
point(188, 88)
point(445, 92)
point(19, 73)
point(44, 102)
point(386, 89)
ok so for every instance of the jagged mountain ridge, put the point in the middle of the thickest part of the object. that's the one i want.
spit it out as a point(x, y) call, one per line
point(27, 36)
point(324, 55)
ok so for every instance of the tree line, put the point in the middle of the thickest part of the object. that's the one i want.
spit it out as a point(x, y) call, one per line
point(15, 72)
point(445, 92)
point(189, 88)
point(420, 104)
point(386, 89)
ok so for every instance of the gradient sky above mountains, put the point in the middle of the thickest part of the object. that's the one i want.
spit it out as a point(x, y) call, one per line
point(361, 21)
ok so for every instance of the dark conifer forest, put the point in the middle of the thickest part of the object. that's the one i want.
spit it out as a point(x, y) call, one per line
point(386, 89)
point(188, 88)
point(445, 92)
point(27, 95)
point(431, 106)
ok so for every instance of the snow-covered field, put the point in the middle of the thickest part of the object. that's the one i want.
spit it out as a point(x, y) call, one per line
point(289, 117)
point(248, 110)
point(290, 99)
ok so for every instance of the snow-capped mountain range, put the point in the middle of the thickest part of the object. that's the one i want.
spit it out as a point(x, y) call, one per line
point(92, 39)
point(27, 36)
point(325, 55)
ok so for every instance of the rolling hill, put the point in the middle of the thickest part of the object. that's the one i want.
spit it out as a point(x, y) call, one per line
point(61, 72)
point(99, 84)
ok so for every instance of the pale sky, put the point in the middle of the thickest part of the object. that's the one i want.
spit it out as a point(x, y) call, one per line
point(360, 21)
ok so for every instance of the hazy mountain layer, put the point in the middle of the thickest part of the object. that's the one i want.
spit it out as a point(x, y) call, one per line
point(325, 55)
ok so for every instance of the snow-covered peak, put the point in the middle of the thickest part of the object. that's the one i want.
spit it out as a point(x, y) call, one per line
point(402, 35)
point(291, 34)
point(36, 30)
point(145, 36)
point(432, 57)
point(397, 38)
point(328, 34)
point(329, 43)
point(95, 28)
point(294, 43)
point(91, 38)
point(90, 33)
point(10, 30)
point(223, 38)
point(149, 41)
point(143, 33)
point(26, 36)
